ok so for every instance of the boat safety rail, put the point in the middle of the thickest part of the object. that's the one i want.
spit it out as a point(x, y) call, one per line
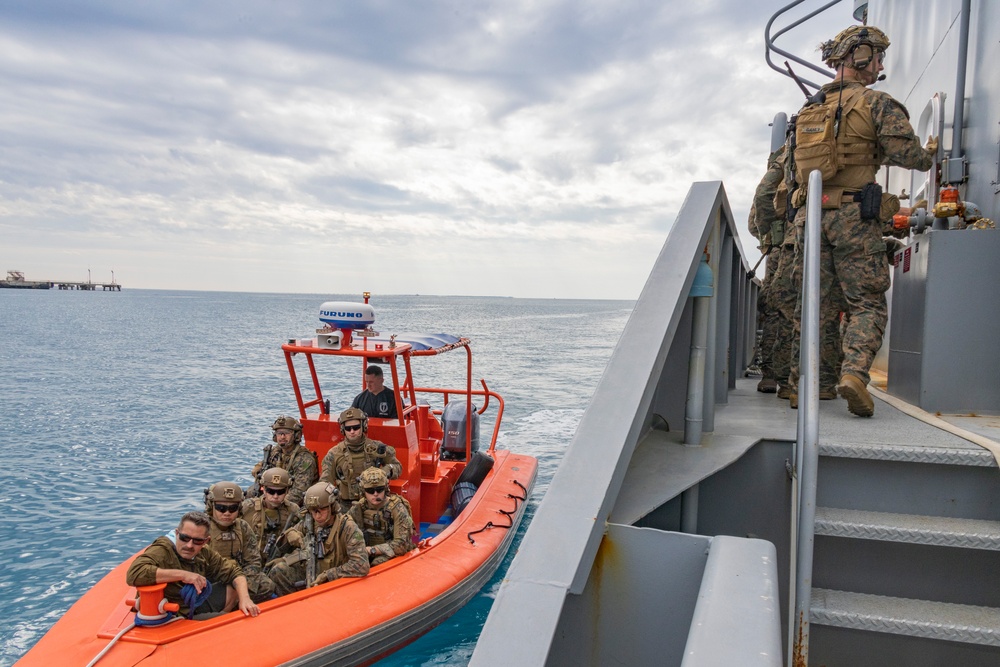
point(486, 393)
point(643, 388)
point(509, 514)
point(806, 456)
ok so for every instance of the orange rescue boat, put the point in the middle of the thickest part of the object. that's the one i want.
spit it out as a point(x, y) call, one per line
point(348, 621)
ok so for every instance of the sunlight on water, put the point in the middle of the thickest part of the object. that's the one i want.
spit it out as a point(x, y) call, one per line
point(120, 408)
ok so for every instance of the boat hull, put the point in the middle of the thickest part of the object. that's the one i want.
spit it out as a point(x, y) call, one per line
point(346, 622)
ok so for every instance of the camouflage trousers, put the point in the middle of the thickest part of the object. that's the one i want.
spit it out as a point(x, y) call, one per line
point(782, 299)
point(768, 318)
point(260, 586)
point(289, 573)
point(854, 277)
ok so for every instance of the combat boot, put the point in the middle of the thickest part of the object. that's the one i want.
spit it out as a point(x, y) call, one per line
point(784, 391)
point(767, 385)
point(859, 401)
point(824, 395)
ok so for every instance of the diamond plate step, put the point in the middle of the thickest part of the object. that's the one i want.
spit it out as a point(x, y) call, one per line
point(902, 616)
point(910, 528)
point(963, 456)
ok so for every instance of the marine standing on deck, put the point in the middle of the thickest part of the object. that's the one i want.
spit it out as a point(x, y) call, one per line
point(232, 537)
point(324, 546)
point(786, 287)
point(384, 517)
point(291, 456)
point(767, 228)
point(345, 462)
point(869, 129)
point(271, 513)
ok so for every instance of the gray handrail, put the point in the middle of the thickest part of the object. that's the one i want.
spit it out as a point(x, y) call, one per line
point(807, 438)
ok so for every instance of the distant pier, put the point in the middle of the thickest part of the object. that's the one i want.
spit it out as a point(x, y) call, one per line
point(16, 280)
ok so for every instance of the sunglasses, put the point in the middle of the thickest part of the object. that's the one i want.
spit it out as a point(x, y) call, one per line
point(275, 492)
point(197, 541)
point(226, 508)
point(356, 427)
point(376, 489)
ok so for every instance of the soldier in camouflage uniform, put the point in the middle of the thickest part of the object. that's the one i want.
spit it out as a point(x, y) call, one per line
point(270, 513)
point(768, 228)
point(852, 253)
point(233, 538)
point(384, 517)
point(345, 462)
point(291, 456)
point(324, 542)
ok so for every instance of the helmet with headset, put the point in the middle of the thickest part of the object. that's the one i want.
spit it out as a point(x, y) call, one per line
point(864, 42)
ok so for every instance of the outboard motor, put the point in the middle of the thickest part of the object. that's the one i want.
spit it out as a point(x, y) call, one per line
point(453, 421)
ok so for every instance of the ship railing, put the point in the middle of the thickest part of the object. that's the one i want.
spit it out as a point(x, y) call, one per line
point(769, 40)
point(663, 360)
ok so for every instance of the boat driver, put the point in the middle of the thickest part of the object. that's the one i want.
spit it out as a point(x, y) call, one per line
point(184, 559)
point(291, 456)
point(325, 545)
point(376, 400)
point(385, 518)
point(345, 462)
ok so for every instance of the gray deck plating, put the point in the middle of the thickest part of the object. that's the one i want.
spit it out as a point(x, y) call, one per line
point(662, 466)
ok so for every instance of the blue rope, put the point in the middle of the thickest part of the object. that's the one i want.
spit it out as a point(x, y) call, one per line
point(193, 599)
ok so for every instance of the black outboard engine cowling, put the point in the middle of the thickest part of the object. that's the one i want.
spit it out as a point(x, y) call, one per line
point(453, 421)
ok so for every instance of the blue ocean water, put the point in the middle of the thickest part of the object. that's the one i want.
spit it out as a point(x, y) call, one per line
point(117, 409)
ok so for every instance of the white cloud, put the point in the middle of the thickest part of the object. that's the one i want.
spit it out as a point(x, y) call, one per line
point(524, 148)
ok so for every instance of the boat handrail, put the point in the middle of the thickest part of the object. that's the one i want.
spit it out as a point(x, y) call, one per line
point(649, 369)
point(485, 392)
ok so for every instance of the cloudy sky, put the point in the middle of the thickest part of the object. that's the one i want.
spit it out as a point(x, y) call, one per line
point(536, 148)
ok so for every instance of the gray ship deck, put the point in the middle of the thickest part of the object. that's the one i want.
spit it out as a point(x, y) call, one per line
point(647, 549)
point(662, 466)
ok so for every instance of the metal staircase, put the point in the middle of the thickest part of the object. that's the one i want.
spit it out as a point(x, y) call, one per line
point(912, 565)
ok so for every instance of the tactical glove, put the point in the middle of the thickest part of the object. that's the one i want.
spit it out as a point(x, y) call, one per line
point(294, 538)
point(322, 578)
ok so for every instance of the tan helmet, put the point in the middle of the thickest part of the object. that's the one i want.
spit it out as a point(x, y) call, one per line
point(290, 423)
point(320, 495)
point(847, 41)
point(276, 478)
point(223, 492)
point(372, 478)
point(353, 413)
